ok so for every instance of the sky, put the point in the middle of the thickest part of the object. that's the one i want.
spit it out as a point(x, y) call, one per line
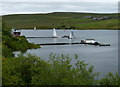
point(60, 0)
point(48, 6)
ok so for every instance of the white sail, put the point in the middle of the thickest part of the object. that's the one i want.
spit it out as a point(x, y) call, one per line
point(34, 28)
point(71, 34)
point(54, 33)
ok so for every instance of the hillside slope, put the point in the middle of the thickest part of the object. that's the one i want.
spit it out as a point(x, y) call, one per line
point(61, 20)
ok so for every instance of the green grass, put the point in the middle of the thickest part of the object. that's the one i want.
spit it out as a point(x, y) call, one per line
point(59, 19)
point(105, 24)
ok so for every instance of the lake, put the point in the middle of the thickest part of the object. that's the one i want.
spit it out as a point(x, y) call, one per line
point(103, 58)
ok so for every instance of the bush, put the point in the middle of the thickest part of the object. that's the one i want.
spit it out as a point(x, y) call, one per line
point(31, 70)
point(6, 51)
point(11, 43)
point(20, 70)
point(110, 79)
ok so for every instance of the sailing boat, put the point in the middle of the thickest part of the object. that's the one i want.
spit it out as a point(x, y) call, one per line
point(71, 36)
point(34, 28)
point(54, 33)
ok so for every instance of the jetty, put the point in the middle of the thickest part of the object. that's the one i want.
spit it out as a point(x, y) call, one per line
point(60, 43)
point(95, 44)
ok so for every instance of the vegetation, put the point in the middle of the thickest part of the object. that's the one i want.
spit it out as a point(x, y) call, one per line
point(31, 70)
point(11, 43)
point(61, 20)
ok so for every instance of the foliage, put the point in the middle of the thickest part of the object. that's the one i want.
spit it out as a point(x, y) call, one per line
point(110, 79)
point(11, 43)
point(6, 51)
point(20, 70)
point(31, 70)
point(19, 44)
point(62, 72)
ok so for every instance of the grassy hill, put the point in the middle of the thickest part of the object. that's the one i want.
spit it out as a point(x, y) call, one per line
point(61, 20)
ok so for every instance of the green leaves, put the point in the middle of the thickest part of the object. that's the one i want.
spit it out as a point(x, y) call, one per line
point(110, 79)
point(59, 70)
point(11, 43)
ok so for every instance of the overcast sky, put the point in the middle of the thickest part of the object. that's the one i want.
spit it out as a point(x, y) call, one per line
point(60, 0)
point(28, 7)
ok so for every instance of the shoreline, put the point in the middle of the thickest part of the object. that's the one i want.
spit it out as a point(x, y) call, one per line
point(69, 29)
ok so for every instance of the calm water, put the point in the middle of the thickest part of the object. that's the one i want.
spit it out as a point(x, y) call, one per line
point(104, 59)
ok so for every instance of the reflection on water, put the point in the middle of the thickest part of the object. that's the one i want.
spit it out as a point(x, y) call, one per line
point(55, 40)
point(104, 59)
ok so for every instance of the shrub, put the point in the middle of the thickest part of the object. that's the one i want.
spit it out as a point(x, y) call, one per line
point(31, 70)
point(11, 43)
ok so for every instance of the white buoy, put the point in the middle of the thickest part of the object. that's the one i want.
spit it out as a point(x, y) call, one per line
point(54, 33)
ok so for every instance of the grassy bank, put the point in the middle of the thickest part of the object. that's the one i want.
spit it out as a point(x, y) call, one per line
point(61, 20)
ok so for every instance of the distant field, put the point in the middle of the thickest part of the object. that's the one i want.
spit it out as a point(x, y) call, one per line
point(61, 20)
